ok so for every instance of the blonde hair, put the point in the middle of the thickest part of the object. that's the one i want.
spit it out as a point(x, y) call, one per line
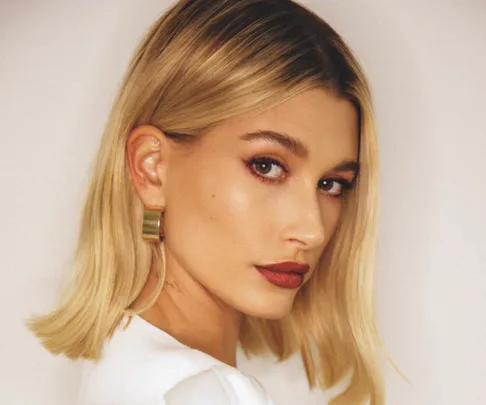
point(200, 63)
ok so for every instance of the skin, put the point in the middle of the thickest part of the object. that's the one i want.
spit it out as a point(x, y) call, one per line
point(221, 218)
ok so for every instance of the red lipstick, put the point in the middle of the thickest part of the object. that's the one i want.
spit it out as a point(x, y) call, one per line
point(284, 274)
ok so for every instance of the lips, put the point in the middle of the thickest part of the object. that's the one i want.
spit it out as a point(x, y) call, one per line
point(284, 274)
point(293, 267)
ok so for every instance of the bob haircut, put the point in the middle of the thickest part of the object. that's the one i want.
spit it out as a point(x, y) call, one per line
point(200, 63)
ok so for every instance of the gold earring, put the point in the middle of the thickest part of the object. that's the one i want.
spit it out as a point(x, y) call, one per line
point(153, 224)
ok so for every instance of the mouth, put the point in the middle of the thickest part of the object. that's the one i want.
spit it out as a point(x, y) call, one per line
point(285, 275)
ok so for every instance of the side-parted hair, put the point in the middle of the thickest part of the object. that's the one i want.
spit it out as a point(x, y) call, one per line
point(200, 63)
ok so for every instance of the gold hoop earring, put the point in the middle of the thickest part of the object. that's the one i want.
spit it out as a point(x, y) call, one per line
point(153, 224)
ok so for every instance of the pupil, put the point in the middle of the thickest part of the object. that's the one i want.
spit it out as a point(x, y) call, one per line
point(325, 184)
point(265, 167)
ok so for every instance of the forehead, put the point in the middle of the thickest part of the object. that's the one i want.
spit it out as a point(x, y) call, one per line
point(326, 124)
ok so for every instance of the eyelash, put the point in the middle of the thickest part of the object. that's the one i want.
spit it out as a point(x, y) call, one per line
point(345, 184)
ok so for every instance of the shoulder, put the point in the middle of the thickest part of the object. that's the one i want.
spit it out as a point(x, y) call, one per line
point(144, 365)
point(218, 385)
point(139, 376)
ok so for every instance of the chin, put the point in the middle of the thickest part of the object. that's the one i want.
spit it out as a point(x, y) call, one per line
point(268, 308)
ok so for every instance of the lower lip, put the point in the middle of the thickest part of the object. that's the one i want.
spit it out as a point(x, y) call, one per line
point(282, 279)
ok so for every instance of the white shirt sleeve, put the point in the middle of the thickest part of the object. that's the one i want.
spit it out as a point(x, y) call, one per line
point(218, 385)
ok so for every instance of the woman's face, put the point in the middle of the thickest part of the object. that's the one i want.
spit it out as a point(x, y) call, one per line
point(259, 190)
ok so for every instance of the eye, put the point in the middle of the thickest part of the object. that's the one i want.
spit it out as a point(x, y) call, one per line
point(334, 187)
point(266, 168)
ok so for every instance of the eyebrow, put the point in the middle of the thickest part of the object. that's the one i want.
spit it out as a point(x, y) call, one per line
point(347, 166)
point(296, 147)
point(291, 144)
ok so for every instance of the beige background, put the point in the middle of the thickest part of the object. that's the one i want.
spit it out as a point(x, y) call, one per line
point(60, 63)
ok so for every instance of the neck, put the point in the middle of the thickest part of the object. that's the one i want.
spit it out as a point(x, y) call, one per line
point(192, 315)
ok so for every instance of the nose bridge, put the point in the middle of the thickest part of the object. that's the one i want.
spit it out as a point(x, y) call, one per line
point(305, 219)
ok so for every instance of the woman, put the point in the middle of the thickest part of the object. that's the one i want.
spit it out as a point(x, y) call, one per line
point(233, 201)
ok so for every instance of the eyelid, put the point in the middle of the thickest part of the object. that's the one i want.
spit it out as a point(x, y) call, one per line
point(345, 183)
point(273, 161)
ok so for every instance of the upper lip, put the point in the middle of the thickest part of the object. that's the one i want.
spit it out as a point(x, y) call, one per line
point(287, 267)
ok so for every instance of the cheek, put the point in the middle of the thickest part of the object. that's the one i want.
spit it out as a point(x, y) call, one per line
point(332, 217)
point(209, 210)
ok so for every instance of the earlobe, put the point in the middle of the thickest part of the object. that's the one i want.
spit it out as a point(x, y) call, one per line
point(146, 153)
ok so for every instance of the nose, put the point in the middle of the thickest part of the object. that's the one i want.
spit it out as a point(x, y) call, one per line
point(304, 222)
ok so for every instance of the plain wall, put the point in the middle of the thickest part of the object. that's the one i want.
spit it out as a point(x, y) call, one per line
point(60, 65)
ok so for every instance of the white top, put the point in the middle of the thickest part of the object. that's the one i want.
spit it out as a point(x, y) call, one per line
point(143, 365)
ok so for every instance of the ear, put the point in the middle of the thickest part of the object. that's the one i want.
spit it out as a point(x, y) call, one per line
point(147, 152)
